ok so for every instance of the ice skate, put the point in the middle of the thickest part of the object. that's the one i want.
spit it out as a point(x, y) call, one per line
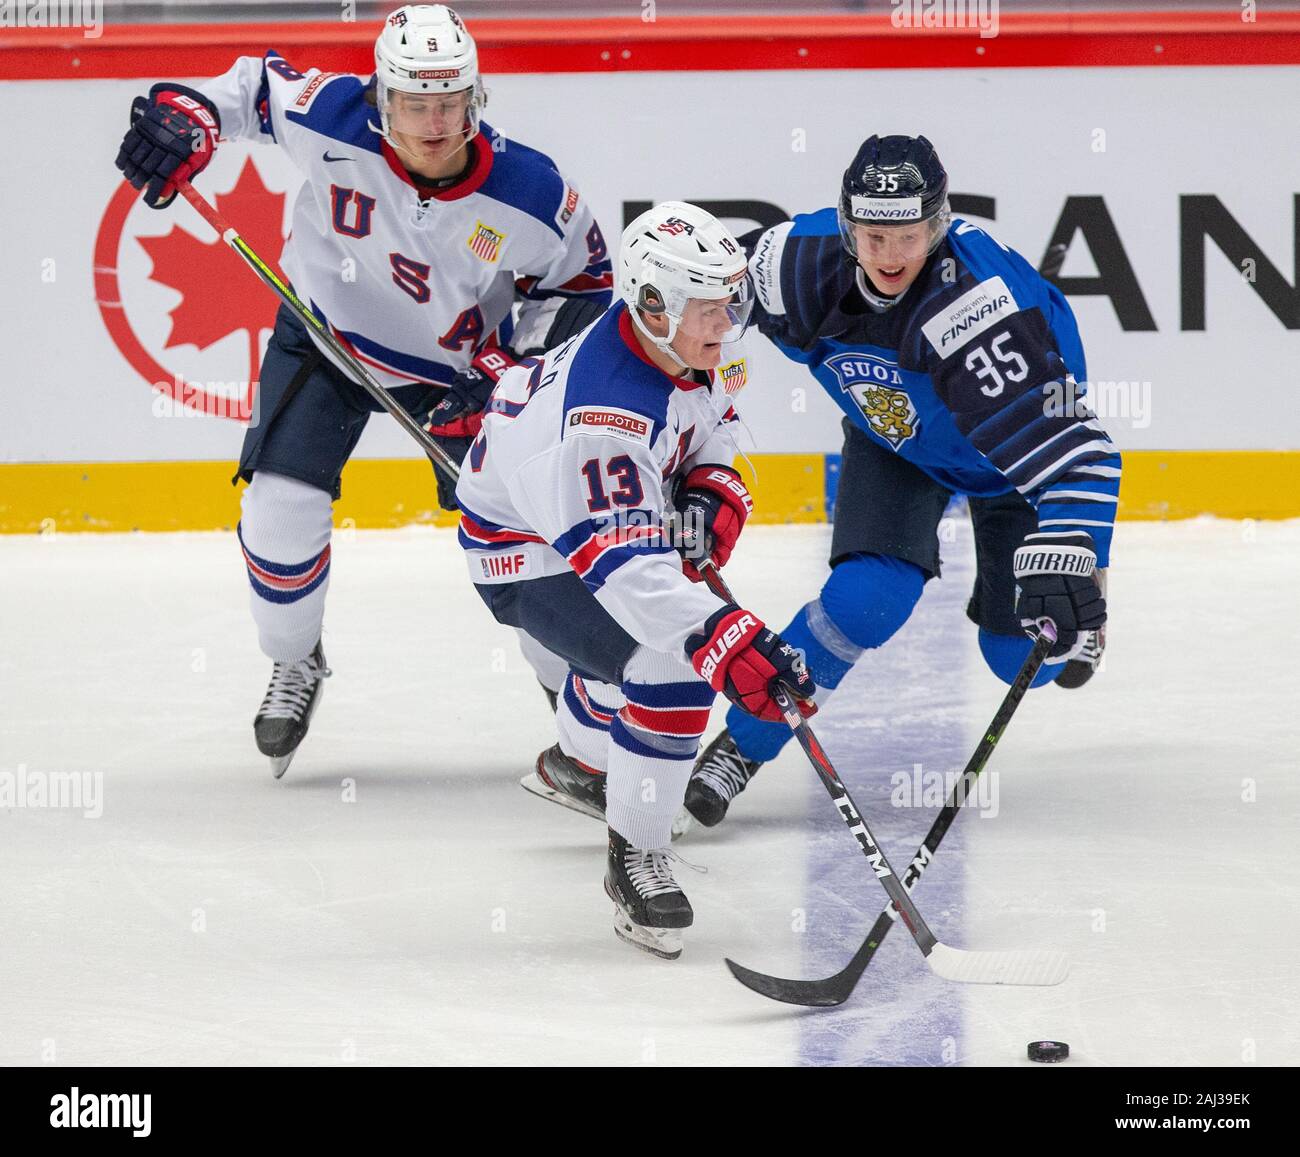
point(650, 910)
point(1080, 669)
point(286, 711)
point(720, 775)
point(565, 781)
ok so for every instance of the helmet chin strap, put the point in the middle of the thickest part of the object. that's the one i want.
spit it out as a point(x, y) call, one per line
point(661, 343)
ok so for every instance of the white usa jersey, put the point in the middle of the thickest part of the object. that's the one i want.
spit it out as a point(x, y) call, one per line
point(575, 468)
point(415, 281)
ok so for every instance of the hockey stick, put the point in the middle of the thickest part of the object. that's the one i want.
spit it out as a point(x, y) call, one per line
point(835, 990)
point(971, 967)
point(271, 279)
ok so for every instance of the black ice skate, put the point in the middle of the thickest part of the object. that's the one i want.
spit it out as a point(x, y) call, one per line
point(1079, 669)
point(720, 775)
point(565, 781)
point(650, 910)
point(286, 712)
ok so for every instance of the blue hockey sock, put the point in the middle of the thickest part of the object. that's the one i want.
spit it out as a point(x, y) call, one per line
point(1006, 654)
point(863, 603)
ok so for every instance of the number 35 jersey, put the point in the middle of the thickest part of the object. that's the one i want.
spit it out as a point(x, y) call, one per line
point(971, 376)
point(575, 468)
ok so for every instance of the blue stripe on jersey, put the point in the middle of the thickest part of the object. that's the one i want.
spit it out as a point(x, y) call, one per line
point(524, 179)
point(339, 111)
point(263, 101)
point(578, 536)
point(395, 360)
point(600, 572)
point(606, 373)
point(1046, 464)
point(1062, 506)
point(579, 533)
point(469, 542)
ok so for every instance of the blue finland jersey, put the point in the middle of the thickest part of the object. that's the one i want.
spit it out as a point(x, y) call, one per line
point(970, 377)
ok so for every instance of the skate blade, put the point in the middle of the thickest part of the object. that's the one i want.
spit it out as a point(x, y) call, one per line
point(280, 763)
point(533, 782)
point(682, 824)
point(665, 944)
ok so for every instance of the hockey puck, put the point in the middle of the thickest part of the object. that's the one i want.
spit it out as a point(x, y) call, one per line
point(1048, 1051)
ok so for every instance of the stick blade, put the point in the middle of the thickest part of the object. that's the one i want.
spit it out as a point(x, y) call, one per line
point(828, 993)
point(1034, 966)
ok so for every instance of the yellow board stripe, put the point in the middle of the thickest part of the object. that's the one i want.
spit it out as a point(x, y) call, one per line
point(117, 496)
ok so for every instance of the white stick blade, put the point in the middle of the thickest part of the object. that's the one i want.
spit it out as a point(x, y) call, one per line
point(1040, 966)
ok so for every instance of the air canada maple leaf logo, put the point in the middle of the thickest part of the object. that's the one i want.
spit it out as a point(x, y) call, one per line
point(219, 297)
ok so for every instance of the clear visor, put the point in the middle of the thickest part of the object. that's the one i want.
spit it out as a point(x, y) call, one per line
point(897, 242)
point(721, 319)
point(429, 115)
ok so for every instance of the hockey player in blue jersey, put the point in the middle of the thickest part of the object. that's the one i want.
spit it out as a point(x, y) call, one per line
point(416, 231)
point(566, 496)
point(955, 364)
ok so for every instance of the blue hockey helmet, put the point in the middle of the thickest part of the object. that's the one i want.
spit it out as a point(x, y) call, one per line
point(894, 181)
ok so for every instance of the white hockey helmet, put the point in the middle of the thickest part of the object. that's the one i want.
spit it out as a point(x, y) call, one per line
point(425, 49)
point(674, 254)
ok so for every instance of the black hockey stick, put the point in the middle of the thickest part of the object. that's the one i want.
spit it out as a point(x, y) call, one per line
point(272, 280)
point(837, 989)
point(1010, 967)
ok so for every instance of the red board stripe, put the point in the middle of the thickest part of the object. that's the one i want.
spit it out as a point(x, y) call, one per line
point(1024, 40)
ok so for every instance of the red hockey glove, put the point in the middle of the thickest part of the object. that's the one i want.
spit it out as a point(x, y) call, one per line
point(172, 137)
point(713, 506)
point(738, 656)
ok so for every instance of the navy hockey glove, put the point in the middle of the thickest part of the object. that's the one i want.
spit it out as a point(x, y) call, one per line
point(456, 420)
point(1056, 579)
point(737, 655)
point(173, 134)
point(713, 505)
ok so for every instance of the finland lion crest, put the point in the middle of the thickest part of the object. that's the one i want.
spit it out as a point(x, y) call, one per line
point(873, 382)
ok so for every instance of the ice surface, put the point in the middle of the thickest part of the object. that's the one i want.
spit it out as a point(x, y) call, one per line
point(397, 898)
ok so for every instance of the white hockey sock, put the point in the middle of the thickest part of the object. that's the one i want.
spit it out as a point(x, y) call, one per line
point(285, 535)
point(653, 741)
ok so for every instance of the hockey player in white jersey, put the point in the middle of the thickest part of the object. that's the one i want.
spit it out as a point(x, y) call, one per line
point(441, 223)
point(566, 499)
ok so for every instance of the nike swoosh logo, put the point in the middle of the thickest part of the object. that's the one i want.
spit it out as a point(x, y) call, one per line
point(326, 156)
